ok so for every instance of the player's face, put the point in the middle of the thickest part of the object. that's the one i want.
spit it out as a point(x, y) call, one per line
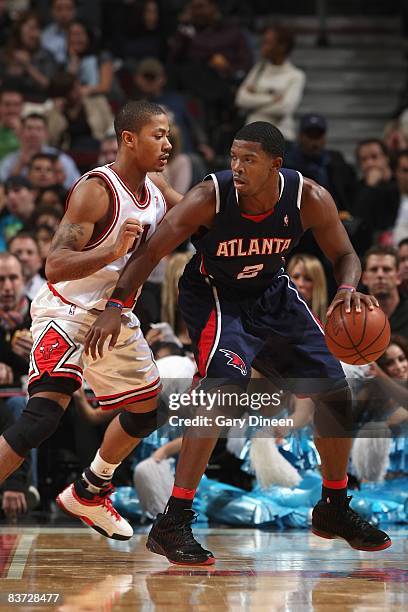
point(396, 363)
point(151, 145)
point(303, 282)
point(252, 168)
point(403, 262)
point(380, 275)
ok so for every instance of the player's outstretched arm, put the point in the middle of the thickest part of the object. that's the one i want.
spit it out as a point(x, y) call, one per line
point(197, 209)
point(88, 204)
point(319, 213)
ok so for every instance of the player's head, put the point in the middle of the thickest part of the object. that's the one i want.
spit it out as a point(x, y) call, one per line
point(256, 156)
point(142, 130)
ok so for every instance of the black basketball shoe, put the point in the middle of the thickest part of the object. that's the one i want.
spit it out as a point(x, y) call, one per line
point(172, 536)
point(338, 520)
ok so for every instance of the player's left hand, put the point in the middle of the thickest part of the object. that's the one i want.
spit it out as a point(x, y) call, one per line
point(107, 324)
point(352, 299)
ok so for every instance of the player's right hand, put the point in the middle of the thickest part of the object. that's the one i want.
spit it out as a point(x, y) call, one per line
point(130, 231)
point(107, 324)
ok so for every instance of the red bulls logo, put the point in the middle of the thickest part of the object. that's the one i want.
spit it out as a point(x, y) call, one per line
point(235, 361)
point(46, 350)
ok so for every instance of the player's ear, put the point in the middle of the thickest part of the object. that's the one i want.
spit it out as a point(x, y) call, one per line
point(277, 163)
point(128, 138)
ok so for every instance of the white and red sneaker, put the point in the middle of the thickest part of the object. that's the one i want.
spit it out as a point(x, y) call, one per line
point(95, 510)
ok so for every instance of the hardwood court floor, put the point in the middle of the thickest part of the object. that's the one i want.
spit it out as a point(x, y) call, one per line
point(290, 571)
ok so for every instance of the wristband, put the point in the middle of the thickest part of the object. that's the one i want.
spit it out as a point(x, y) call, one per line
point(346, 288)
point(114, 304)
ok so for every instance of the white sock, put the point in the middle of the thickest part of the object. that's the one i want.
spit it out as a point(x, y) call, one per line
point(102, 469)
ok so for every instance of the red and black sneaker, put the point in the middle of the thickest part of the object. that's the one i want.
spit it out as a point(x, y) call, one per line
point(338, 520)
point(172, 537)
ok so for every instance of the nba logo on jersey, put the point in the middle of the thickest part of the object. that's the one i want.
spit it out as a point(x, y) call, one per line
point(286, 220)
point(235, 361)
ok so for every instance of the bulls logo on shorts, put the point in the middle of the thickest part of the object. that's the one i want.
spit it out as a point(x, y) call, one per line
point(235, 361)
point(51, 354)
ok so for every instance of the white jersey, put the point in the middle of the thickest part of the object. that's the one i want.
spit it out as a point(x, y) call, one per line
point(92, 291)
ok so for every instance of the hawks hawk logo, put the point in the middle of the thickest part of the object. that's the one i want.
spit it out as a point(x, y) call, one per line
point(235, 361)
point(286, 220)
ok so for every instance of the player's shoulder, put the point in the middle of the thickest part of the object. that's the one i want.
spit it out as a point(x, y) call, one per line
point(312, 192)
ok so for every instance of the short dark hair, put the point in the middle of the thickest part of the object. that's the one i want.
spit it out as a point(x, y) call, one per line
point(11, 86)
point(378, 249)
point(269, 137)
point(23, 234)
point(402, 242)
point(49, 156)
point(400, 341)
point(368, 141)
point(134, 115)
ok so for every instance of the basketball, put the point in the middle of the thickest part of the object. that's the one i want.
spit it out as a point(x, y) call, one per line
point(357, 338)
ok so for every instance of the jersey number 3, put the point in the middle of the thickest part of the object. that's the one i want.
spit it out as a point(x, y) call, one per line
point(250, 271)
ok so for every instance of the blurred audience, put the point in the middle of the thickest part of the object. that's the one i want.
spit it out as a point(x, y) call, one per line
point(11, 106)
point(41, 171)
point(108, 149)
point(400, 226)
point(25, 247)
point(403, 266)
point(20, 206)
point(34, 139)
point(273, 88)
point(308, 275)
point(54, 37)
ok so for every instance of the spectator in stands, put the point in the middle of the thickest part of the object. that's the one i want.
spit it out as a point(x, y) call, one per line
point(25, 247)
point(108, 150)
point(273, 88)
point(48, 214)
point(400, 230)
point(11, 106)
point(325, 166)
point(5, 22)
point(211, 57)
point(15, 320)
point(169, 310)
point(93, 70)
point(403, 266)
point(308, 275)
point(43, 235)
point(33, 139)
point(376, 195)
point(20, 207)
point(150, 80)
point(143, 17)
point(54, 37)
point(182, 170)
point(380, 276)
point(76, 121)
point(41, 171)
point(26, 60)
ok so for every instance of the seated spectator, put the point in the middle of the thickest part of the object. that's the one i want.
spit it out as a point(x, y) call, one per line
point(211, 57)
point(170, 311)
point(183, 171)
point(11, 106)
point(308, 275)
point(34, 139)
point(93, 70)
point(54, 37)
point(273, 88)
point(375, 188)
point(327, 167)
point(25, 247)
point(26, 60)
point(76, 121)
point(380, 276)
point(53, 197)
point(19, 206)
point(400, 230)
point(15, 321)
point(145, 19)
point(108, 149)
point(41, 171)
point(149, 81)
point(43, 234)
point(5, 22)
point(403, 266)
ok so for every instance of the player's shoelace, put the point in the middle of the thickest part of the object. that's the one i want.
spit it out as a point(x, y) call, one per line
point(355, 519)
point(104, 500)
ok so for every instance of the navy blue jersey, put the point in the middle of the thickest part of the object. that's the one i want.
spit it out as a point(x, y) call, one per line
point(244, 252)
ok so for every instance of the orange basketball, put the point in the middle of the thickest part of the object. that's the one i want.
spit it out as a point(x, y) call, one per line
point(357, 337)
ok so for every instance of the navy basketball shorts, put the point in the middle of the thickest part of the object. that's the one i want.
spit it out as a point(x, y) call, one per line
point(276, 333)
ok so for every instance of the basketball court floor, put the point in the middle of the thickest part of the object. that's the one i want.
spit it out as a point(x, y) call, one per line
point(74, 569)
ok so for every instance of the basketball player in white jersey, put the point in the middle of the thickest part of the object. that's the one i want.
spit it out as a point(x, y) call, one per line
point(110, 211)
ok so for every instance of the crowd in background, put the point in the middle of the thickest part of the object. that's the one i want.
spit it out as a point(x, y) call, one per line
point(65, 69)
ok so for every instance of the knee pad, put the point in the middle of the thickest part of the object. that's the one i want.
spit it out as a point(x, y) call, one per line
point(37, 422)
point(334, 412)
point(142, 424)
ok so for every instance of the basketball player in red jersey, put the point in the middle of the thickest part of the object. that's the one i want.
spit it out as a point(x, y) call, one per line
point(110, 212)
point(242, 310)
